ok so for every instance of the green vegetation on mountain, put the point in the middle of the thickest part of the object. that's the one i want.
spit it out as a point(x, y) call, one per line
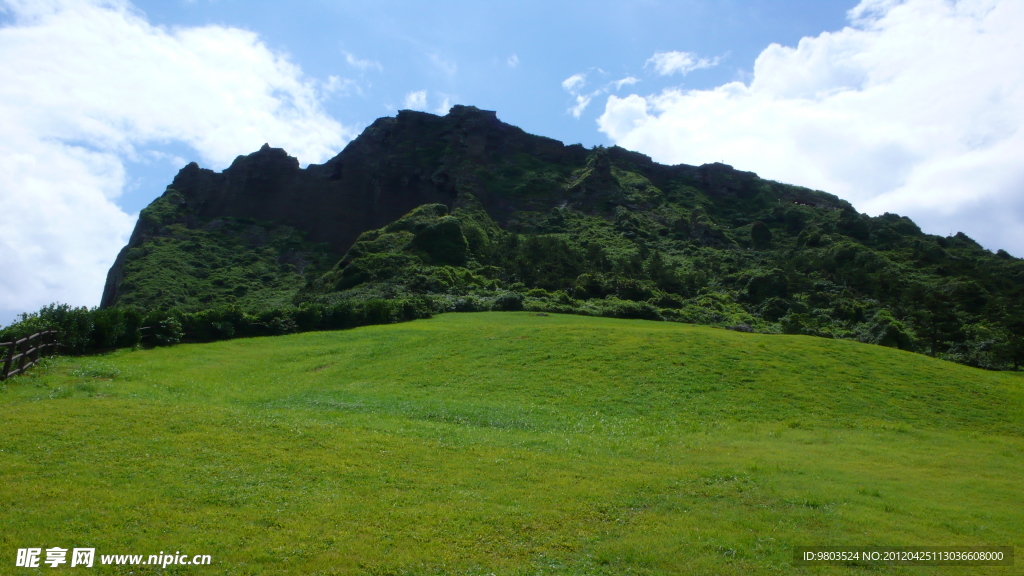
point(465, 213)
point(757, 260)
point(226, 261)
point(511, 444)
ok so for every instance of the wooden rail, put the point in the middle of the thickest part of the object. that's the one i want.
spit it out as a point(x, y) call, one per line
point(31, 348)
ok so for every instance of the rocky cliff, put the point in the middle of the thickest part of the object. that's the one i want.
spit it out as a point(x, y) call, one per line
point(400, 163)
point(465, 212)
point(395, 165)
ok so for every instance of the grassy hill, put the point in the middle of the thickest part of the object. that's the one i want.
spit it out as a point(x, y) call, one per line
point(510, 443)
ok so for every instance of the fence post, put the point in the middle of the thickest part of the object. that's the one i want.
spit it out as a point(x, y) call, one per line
point(7, 361)
point(24, 346)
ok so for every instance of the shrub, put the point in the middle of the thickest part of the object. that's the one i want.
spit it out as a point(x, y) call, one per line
point(508, 301)
point(760, 235)
point(885, 330)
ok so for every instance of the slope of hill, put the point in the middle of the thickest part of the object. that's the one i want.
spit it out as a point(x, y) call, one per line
point(511, 443)
point(474, 214)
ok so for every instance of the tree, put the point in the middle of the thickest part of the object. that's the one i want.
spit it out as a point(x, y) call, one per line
point(760, 235)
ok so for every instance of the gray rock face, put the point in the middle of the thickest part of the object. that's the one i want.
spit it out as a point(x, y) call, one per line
point(410, 160)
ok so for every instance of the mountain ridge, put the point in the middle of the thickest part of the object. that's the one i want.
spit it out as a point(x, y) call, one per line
point(324, 200)
point(473, 213)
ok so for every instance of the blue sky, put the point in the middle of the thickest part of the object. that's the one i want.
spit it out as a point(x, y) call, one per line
point(907, 106)
point(509, 57)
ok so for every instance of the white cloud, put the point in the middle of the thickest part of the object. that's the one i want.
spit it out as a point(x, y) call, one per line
point(342, 86)
point(444, 107)
point(572, 85)
point(362, 64)
point(668, 63)
point(416, 100)
point(916, 108)
point(85, 86)
point(449, 67)
point(627, 81)
point(582, 101)
point(575, 81)
point(513, 61)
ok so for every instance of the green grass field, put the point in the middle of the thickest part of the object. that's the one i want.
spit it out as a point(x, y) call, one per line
point(510, 443)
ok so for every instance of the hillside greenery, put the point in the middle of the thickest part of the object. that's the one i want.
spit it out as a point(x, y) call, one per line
point(614, 235)
point(511, 444)
point(190, 265)
point(754, 263)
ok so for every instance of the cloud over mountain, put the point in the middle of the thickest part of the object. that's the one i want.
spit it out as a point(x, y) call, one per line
point(916, 107)
point(86, 86)
point(668, 63)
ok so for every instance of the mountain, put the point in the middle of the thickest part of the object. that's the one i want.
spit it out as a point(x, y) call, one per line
point(465, 212)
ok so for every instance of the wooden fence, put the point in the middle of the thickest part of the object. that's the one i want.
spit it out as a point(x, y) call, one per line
point(23, 354)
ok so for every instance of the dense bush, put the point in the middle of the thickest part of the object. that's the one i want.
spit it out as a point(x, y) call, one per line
point(83, 331)
point(86, 331)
